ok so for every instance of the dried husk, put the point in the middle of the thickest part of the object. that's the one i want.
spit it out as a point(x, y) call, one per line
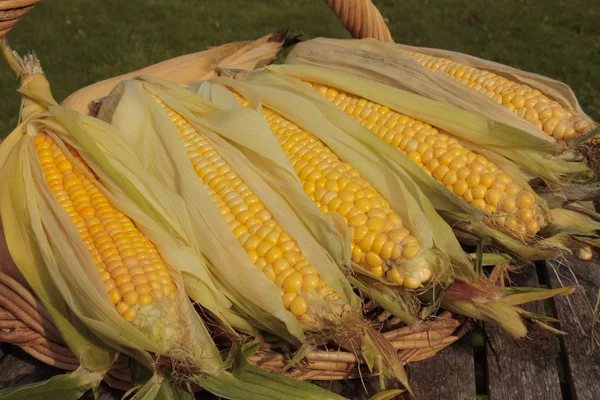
point(235, 57)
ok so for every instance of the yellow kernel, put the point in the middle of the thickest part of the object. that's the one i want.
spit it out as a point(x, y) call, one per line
point(125, 288)
point(411, 283)
point(288, 298)
point(299, 306)
point(525, 200)
point(462, 173)
point(532, 227)
point(525, 214)
point(449, 178)
point(130, 314)
point(460, 187)
point(143, 289)
point(373, 260)
point(293, 283)
point(411, 248)
point(473, 179)
point(115, 295)
point(487, 180)
point(357, 220)
point(280, 265)
point(378, 270)
point(122, 307)
point(478, 192)
point(274, 253)
point(479, 203)
point(493, 196)
point(130, 298)
point(398, 235)
point(310, 282)
point(122, 279)
point(292, 257)
point(378, 243)
point(440, 172)
point(393, 275)
point(282, 276)
point(509, 205)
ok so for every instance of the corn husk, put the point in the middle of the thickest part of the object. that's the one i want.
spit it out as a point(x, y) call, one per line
point(460, 215)
point(232, 58)
point(47, 250)
point(133, 110)
point(454, 107)
point(268, 155)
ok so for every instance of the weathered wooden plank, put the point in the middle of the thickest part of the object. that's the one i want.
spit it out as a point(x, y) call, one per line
point(575, 314)
point(521, 369)
point(450, 374)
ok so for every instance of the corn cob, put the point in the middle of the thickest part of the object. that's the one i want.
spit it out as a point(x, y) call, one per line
point(469, 176)
point(379, 242)
point(269, 248)
point(525, 101)
point(135, 277)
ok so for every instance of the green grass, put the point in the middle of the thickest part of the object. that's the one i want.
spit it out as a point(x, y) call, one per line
point(84, 41)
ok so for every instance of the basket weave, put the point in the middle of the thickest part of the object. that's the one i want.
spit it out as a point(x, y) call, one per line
point(12, 11)
point(24, 322)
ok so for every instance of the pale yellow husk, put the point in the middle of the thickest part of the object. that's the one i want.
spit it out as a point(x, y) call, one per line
point(452, 106)
point(233, 58)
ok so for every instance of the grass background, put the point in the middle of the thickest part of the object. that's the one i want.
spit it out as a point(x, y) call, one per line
point(84, 41)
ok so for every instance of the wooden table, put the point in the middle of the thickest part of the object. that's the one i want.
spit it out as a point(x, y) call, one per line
point(483, 364)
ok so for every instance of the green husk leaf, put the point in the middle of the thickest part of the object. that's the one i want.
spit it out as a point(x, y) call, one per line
point(522, 295)
point(398, 303)
point(494, 258)
point(60, 387)
point(249, 382)
point(387, 394)
point(380, 355)
point(298, 356)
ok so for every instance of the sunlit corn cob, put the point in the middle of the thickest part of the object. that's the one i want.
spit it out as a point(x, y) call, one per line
point(525, 101)
point(135, 277)
point(269, 248)
point(379, 242)
point(468, 175)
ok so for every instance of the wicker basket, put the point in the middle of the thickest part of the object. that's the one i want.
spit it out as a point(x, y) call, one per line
point(25, 323)
point(12, 11)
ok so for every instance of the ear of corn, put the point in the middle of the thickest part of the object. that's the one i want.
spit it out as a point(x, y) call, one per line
point(233, 203)
point(454, 209)
point(532, 149)
point(523, 100)
point(286, 283)
point(488, 303)
point(246, 55)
